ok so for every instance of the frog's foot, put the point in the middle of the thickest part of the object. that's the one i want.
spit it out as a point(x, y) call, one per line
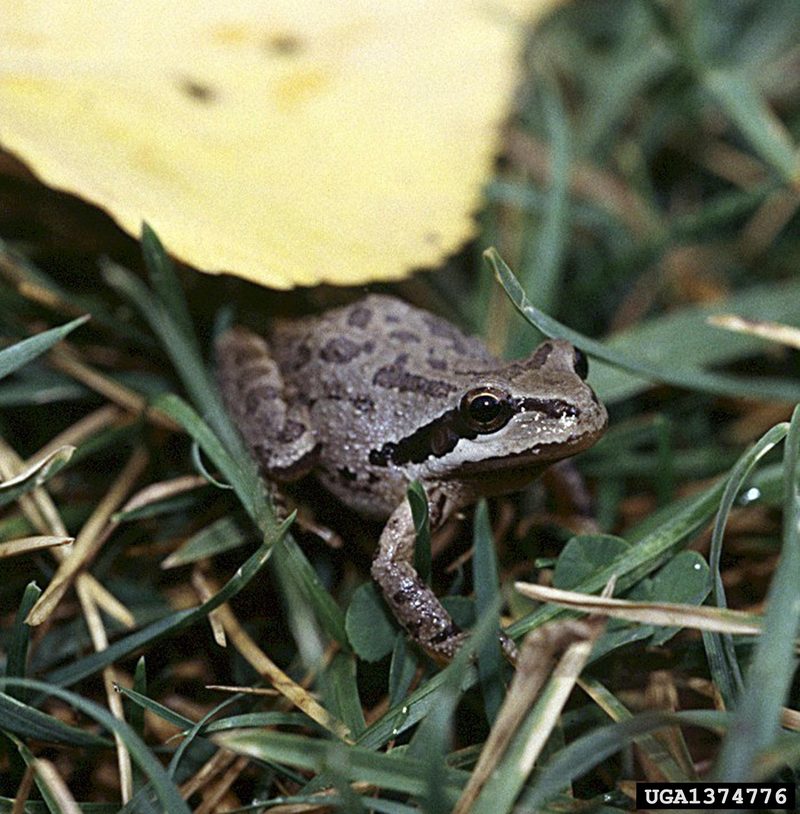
point(454, 644)
point(276, 427)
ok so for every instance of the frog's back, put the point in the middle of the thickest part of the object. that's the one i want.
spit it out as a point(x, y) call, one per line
point(355, 344)
point(371, 373)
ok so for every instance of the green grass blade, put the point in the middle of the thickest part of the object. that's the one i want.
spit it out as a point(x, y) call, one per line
point(487, 600)
point(690, 379)
point(295, 570)
point(135, 715)
point(341, 692)
point(167, 792)
point(184, 356)
point(401, 669)
point(418, 501)
point(249, 491)
point(221, 535)
point(654, 749)
point(749, 111)
point(164, 280)
point(757, 718)
point(17, 653)
point(719, 647)
point(29, 722)
point(20, 353)
point(542, 268)
point(150, 634)
point(588, 751)
point(143, 702)
point(259, 720)
point(194, 733)
point(392, 772)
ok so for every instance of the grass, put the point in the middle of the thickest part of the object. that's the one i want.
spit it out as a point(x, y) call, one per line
point(191, 654)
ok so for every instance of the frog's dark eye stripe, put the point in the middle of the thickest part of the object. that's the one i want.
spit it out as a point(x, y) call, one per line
point(438, 437)
point(481, 411)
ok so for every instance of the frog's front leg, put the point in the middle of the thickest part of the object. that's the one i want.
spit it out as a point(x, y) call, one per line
point(274, 423)
point(413, 602)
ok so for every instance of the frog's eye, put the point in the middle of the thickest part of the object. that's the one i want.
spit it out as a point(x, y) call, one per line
point(581, 363)
point(485, 409)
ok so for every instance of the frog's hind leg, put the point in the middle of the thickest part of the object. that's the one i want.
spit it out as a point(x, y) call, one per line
point(276, 428)
point(413, 602)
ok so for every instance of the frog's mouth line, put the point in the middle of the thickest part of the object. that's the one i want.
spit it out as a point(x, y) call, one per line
point(439, 437)
point(539, 456)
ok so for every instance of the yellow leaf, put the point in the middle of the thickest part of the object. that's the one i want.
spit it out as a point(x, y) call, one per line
point(289, 143)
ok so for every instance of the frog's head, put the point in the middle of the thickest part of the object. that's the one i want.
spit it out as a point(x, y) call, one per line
point(511, 422)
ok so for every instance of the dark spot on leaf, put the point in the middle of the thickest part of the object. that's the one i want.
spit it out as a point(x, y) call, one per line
point(283, 45)
point(198, 91)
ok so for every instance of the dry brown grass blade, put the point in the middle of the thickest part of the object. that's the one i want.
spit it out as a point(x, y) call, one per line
point(40, 465)
point(106, 600)
point(25, 545)
point(15, 272)
point(110, 679)
point(662, 693)
point(205, 591)
point(85, 428)
point(90, 538)
point(37, 506)
point(217, 763)
point(768, 221)
point(266, 668)
point(212, 797)
point(23, 792)
point(67, 361)
point(154, 492)
point(270, 691)
point(565, 677)
point(41, 512)
point(572, 641)
point(667, 614)
point(48, 775)
point(774, 331)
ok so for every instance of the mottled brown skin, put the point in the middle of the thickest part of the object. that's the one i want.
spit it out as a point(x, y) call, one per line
point(374, 395)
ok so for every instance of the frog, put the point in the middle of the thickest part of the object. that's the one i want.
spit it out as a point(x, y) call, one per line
point(376, 394)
